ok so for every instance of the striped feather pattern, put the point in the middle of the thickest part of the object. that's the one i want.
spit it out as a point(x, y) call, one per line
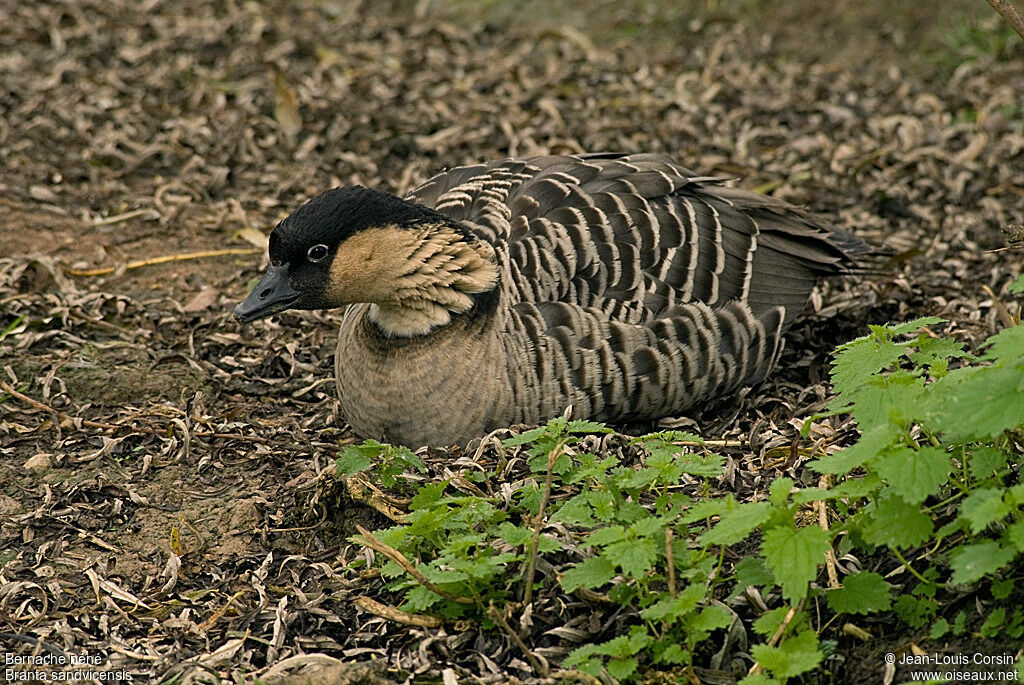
point(630, 288)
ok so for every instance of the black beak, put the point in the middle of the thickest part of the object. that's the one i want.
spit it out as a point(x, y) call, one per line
point(271, 295)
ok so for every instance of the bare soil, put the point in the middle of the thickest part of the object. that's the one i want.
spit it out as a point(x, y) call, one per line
point(166, 497)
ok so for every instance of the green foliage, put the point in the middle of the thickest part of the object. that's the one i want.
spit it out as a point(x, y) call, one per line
point(386, 461)
point(933, 477)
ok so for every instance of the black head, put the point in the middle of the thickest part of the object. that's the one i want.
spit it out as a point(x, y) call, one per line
point(304, 245)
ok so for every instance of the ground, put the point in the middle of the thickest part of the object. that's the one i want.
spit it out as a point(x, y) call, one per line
point(165, 491)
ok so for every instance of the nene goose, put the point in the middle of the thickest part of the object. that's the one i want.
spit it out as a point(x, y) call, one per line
point(623, 286)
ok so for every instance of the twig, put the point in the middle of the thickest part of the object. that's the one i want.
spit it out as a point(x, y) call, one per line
point(397, 615)
point(538, 524)
point(99, 425)
point(670, 563)
point(1010, 14)
point(830, 554)
point(166, 258)
point(774, 639)
point(1002, 312)
point(499, 619)
point(217, 615)
point(394, 555)
point(118, 218)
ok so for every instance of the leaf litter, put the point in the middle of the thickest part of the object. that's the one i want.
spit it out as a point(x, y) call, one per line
point(167, 498)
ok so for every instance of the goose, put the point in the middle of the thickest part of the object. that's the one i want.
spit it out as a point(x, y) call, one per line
point(617, 287)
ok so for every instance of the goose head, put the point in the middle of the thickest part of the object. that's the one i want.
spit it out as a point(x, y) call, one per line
point(415, 267)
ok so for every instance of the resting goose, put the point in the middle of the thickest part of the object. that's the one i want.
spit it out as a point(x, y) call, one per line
point(625, 286)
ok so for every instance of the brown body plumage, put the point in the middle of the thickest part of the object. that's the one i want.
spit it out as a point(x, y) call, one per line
point(626, 287)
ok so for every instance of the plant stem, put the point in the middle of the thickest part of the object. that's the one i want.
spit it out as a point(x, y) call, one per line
point(670, 562)
point(1010, 14)
point(391, 553)
point(910, 568)
point(538, 524)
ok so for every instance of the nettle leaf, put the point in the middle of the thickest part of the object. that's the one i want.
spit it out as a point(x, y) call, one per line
point(590, 573)
point(914, 611)
point(796, 655)
point(977, 403)
point(767, 623)
point(860, 359)
point(914, 474)
point(709, 619)
point(983, 507)
point(605, 536)
point(673, 608)
point(603, 503)
point(850, 488)
point(579, 426)
point(1006, 345)
point(936, 352)
point(778, 491)
point(736, 525)
point(873, 440)
point(984, 462)
point(352, 461)
point(759, 679)
point(894, 399)
point(1017, 287)
point(752, 571)
point(514, 535)
point(862, 593)
point(708, 508)
point(576, 511)
point(793, 557)
point(589, 467)
point(970, 563)
point(897, 523)
point(911, 326)
point(1015, 535)
point(938, 629)
point(634, 557)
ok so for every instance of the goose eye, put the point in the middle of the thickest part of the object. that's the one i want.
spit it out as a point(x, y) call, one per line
point(317, 253)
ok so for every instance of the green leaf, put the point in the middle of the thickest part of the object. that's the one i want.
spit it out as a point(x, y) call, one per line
point(590, 573)
point(936, 351)
point(1007, 344)
point(737, 524)
point(779, 489)
point(759, 679)
point(914, 611)
point(793, 557)
point(1017, 286)
point(796, 655)
point(707, 621)
point(858, 360)
point(970, 563)
point(352, 461)
point(634, 557)
point(939, 628)
point(708, 508)
point(983, 507)
point(896, 523)
point(605, 536)
point(984, 462)
point(873, 440)
point(621, 669)
point(911, 326)
point(674, 608)
point(767, 623)
point(914, 474)
point(1015, 534)
point(977, 403)
point(752, 571)
point(862, 593)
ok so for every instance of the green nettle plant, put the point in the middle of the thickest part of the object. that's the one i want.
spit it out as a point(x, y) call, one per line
point(932, 484)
